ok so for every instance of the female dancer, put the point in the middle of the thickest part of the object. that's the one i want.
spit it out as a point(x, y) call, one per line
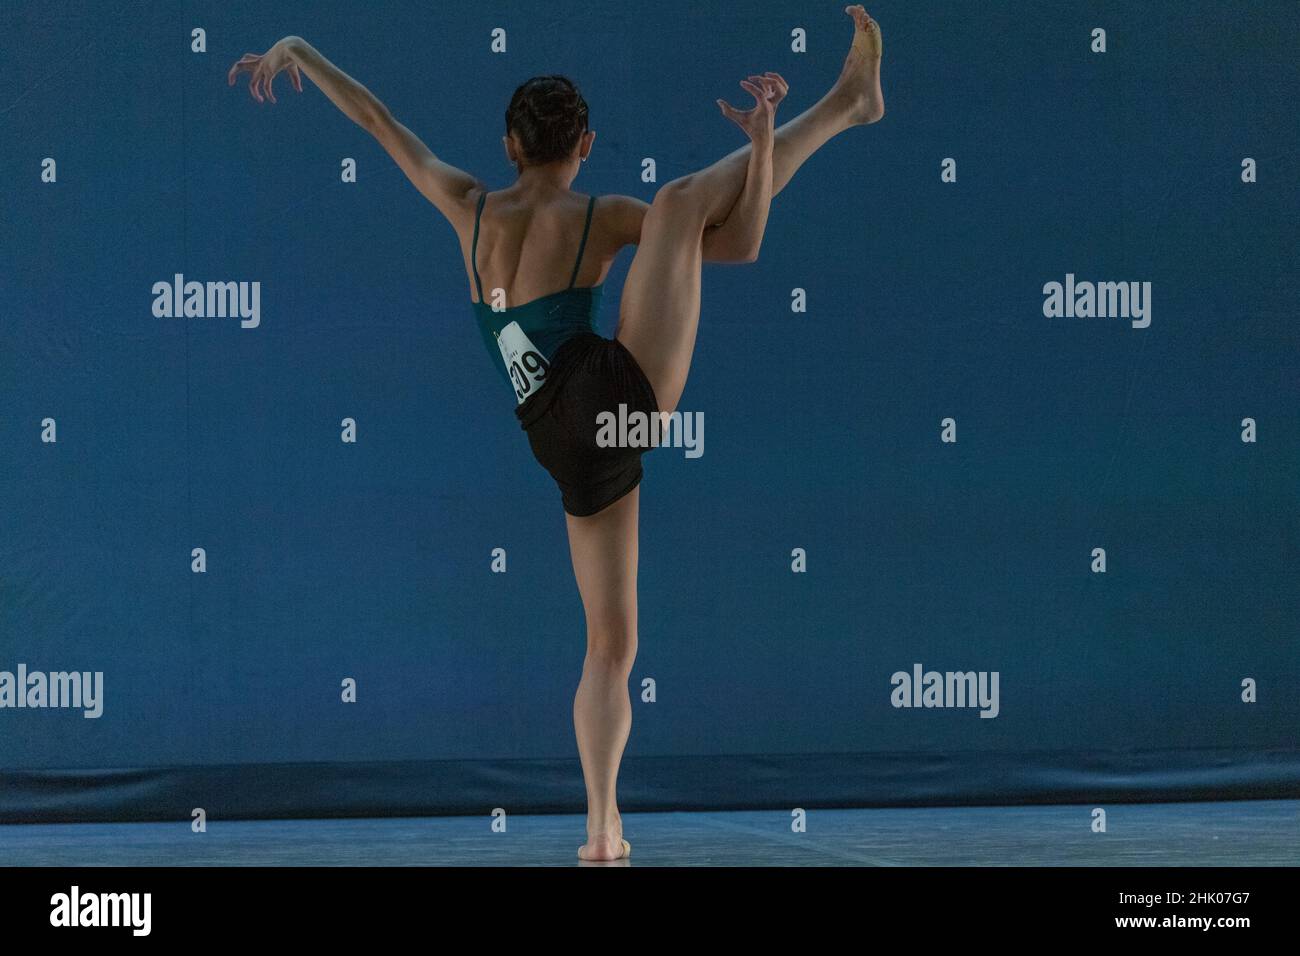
point(524, 240)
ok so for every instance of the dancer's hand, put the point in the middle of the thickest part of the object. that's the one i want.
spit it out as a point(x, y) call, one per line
point(264, 68)
point(768, 91)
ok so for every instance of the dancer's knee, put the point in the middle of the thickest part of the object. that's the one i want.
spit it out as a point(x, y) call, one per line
point(611, 646)
point(676, 188)
point(679, 196)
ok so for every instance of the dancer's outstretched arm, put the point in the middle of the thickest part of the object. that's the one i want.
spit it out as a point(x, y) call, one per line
point(442, 184)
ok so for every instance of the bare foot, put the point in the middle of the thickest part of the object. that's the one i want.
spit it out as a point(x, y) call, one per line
point(603, 847)
point(859, 81)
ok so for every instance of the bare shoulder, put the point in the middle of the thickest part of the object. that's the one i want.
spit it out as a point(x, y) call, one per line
point(621, 217)
point(464, 205)
point(461, 208)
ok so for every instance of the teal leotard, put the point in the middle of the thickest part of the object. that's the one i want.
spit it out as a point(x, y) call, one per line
point(522, 339)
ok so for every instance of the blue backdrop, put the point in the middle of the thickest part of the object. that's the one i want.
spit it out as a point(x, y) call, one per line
point(328, 560)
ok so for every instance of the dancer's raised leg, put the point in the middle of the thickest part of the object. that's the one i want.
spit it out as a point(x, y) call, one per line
point(856, 99)
point(660, 304)
point(660, 307)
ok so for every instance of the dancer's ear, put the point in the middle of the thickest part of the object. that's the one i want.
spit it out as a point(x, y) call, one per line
point(512, 148)
point(584, 144)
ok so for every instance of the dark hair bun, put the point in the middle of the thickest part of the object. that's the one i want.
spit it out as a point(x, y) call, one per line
point(549, 116)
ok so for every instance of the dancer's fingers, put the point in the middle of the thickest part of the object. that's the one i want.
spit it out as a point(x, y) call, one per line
point(733, 114)
point(245, 62)
point(765, 84)
point(780, 81)
point(778, 91)
point(766, 95)
point(270, 94)
point(754, 91)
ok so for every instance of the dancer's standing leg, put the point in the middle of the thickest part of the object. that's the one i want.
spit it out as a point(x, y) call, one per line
point(604, 551)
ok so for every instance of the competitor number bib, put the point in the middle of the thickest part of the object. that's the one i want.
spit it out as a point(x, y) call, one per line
point(524, 363)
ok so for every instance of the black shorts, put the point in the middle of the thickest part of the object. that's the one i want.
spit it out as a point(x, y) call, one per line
point(589, 374)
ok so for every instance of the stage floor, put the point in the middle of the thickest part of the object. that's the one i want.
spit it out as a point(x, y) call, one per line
point(1242, 833)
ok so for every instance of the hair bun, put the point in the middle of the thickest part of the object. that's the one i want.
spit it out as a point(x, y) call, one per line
point(548, 116)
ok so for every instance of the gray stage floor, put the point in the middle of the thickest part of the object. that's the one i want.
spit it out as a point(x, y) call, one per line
point(1244, 833)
